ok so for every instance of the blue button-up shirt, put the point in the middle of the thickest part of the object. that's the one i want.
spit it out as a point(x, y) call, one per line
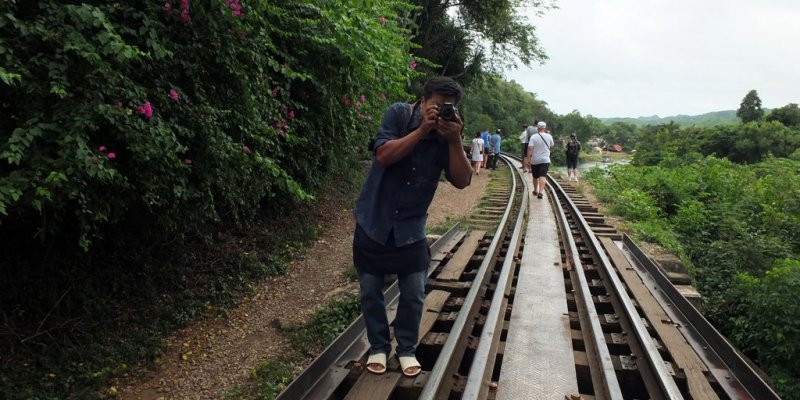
point(496, 143)
point(396, 198)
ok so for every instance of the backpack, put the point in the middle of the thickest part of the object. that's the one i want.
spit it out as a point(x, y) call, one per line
point(573, 148)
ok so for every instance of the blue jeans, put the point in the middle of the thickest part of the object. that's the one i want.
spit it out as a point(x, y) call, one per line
point(409, 312)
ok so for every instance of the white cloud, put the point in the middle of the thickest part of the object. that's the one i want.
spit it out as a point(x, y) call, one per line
point(633, 58)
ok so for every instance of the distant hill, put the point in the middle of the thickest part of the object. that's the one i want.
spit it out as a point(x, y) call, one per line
point(708, 119)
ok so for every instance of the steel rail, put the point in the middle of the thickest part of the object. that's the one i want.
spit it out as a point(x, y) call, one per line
point(437, 374)
point(667, 385)
point(480, 371)
point(709, 336)
point(321, 378)
point(604, 378)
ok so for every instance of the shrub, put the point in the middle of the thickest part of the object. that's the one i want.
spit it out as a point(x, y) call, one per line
point(768, 323)
point(635, 205)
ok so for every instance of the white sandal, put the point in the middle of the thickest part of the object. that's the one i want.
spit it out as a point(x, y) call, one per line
point(378, 358)
point(410, 362)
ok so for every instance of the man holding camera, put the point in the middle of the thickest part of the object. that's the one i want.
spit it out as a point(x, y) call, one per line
point(415, 143)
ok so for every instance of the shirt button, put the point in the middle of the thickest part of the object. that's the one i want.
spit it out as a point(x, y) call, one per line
point(408, 183)
point(413, 168)
point(396, 211)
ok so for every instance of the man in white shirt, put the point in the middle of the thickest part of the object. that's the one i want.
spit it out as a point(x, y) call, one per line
point(539, 144)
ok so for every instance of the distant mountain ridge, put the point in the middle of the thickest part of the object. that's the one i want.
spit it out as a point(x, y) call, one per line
point(726, 117)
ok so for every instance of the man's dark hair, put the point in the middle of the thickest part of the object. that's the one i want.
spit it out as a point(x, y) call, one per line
point(444, 86)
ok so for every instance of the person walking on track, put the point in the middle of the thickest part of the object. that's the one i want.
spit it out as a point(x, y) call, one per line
point(477, 153)
point(485, 135)
point(573, 149)
point(523, 142)
point(539, 146)
point(414, 144)
point(495, 146)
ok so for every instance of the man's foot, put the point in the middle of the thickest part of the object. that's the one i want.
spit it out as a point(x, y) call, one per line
point(410, 366)
point(539, 195)
point(376, 363)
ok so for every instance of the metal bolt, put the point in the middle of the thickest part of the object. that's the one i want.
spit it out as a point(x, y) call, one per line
point(493, 386)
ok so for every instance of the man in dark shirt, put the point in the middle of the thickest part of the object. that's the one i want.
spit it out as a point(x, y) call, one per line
point(412, 148)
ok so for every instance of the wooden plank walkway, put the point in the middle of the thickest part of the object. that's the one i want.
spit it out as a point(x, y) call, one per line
point(452, 271)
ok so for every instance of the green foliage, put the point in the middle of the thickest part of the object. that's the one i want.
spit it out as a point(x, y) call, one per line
point(743, 143)
point(272, 377)
point(726, 220)
point(472, 39)
point(750, 110)
point(788, 115)
point(138, 140)
point(186, 166)
point(635, 205)
point(495, 103)
point(768, 323)
point(325, 325)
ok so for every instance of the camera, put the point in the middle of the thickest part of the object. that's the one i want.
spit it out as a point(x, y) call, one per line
point(447, 111)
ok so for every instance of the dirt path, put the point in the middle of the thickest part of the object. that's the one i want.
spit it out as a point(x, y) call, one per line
point(216, 352)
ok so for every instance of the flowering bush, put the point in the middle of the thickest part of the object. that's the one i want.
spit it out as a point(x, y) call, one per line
point(130, 124)
point(200, 110)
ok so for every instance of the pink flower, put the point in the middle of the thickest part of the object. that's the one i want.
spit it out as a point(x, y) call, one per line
point(363, 98)
point(168, 8)
point(185, 11)
point(174, 94)
point(145, 109)
point(112, 156)
point(382, 96)
point(235, 7)
point(383, 20)
point(275, 91)
point(291, 114)
point(119, 104)
point(357, 106)
point(102, 148)
point(413, 65)
point(345, 101)
point(369, 117)
point(188, 161)
point(246, 149)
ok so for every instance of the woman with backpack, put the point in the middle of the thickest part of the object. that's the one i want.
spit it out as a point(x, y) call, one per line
point(573, 149)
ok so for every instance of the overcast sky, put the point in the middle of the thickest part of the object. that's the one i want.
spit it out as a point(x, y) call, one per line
point(630, 58)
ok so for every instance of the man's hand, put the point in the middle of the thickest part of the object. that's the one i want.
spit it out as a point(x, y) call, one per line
point(450, 130)
point(430, 115)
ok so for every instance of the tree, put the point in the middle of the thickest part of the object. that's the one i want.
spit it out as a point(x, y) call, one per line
point(750, 110)
point(496, 103)
point(467, 39)
point(788, 115)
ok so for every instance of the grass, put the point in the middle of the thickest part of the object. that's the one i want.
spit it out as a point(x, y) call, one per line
point(445, 226)
point(272, 376)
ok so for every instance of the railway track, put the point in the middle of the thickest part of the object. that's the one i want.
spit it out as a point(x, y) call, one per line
point(617, 340)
